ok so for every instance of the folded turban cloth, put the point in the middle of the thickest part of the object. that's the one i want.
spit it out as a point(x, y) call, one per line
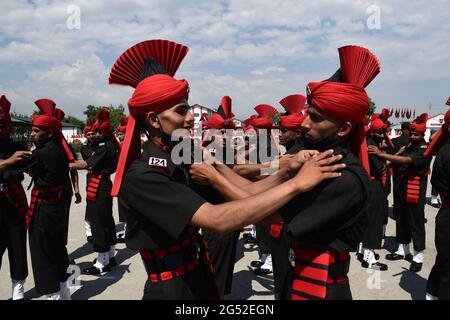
point(292, 122)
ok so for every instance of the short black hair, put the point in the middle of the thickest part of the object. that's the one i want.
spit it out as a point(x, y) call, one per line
point(406, 126)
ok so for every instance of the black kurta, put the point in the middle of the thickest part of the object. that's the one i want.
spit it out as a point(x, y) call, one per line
point(13, 235)
point(399, 142)
point(104, 162)
point(378, 207)
point(49, 168)
point(410, 221)
point(439, 280)
point(333, 216)
point(87, 151)
point(159, 202)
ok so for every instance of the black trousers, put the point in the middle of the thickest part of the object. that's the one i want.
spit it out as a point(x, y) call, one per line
point(410, 223)
point(222, 252)
point(196, 285)
point(67, 217)
point(102, 220)
point(283, 270)
point(13, 236)
point(377, 212)
point(395, 192)
point(439, 280)
point(47, 246)
point(263, 238)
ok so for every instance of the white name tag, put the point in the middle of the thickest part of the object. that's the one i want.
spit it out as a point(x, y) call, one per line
point(157, 162)
point(101, 144)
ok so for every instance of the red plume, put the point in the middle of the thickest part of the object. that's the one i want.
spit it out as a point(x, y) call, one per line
point(423, 118)
point(103, 115)
point(128, 68)
point(403, 112)
point(46, 106)
point(5, 105)
point(59, 114)
point(385, 114)
point(391, 112)
point(358, 65)
point(448, 102)
point(414, 115)
point(397, 113)
point(265, 110)
point(226, 106)
point(123, 121)
point(293, 103)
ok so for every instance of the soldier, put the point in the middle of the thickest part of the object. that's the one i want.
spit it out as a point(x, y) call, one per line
point(438, 285)
point(163, 212)
point(46, 217)
point(87, 150)
point(412, 186)
point(13, 205)
point(101, 165)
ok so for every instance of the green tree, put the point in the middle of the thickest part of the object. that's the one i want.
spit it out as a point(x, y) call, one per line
point(75, 121)
point(372, 108)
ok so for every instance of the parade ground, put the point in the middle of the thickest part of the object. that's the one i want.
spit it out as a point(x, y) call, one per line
point(126, 281)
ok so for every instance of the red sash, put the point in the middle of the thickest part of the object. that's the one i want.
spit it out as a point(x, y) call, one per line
point(188, 247)
point(275, 230)
point(413, 189)
point(15, 192)
point(92, 188)
point(43, 195)
point(316, 267)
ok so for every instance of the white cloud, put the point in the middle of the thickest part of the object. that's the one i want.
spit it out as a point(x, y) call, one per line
point(261, 72)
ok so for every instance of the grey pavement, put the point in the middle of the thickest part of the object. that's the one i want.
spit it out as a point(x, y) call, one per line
point(126, 281)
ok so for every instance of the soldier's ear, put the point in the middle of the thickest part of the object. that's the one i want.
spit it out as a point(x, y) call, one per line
point(345, 129)
point(152, 120)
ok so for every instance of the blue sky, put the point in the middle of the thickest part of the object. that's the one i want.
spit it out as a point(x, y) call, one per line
point(254, 51)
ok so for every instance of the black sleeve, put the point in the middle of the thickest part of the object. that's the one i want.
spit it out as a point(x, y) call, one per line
point(332, 201)
point(97, 157)
point(419, 160)
point(167, 204)
point(375, 164)
point(28, 165)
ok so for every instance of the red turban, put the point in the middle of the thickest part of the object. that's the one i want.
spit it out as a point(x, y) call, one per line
point(292, 122)
point(440, 138)
point(5, 107)
point(104, 126)
point(377, 125)
point(122, 127)
point(89, 126)
point(420, 124)
point(344, 102)
point(262, 123)
point(50, 120)
point(223, 119)
point(157, 93)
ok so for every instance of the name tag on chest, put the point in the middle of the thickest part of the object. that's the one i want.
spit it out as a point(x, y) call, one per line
point(157, 162)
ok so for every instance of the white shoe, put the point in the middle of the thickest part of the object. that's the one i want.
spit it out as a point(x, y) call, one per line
point(54, 296)
point(430, 297)
point(18, 290)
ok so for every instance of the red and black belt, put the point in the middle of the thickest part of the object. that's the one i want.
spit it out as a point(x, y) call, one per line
point(94, 181)
point(51, 195)
point(317, 267)
point(413, 188)
point(178, 260)
point(445, 199)
point(15, 192)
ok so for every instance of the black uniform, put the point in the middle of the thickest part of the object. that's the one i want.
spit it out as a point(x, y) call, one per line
point(103, 163)
point(68, 196)
point(13, 208)
point(327, 223)
point(159, 203)
point(439, 280)
point(280, 246)
point(49, 168)
point(412, 187)
point(378, 207)
point(399, 142)
point(87, 151)
point(221, 247)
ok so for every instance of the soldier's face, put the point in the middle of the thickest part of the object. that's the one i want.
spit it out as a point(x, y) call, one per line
point(287, 136)
point(378, 134)
point(415, 137)
point(177, 117)
point(99, 136)
point(90, 136)
point(120, 136)
point(318, 126)
point(38, 135)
